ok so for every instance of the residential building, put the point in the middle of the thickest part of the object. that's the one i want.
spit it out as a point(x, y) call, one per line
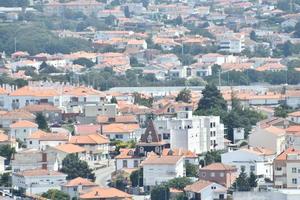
point(269, 137)
point(159, 169)
point(52, 113)
point(232, 42)
point(96, 146)
point(251, 159)
point(205, 190)
point(194, 133)
point(287, 169)
point(37, 181)
point(150, 141)
point(76, 186)
point(42, 140)
point(102, 109)
point(98, 193)
point(8, 118)
point(32, 159)
point(292, 138)
point(121, 131)
point(127, 159)
point(294, 117)
point(219, 173)
point(188, 156)
point(61, 151)
point(22, 129)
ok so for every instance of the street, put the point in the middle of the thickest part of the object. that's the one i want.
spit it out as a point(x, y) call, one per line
point(104, 174)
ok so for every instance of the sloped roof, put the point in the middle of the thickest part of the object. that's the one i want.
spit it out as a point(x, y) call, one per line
point(150, 132)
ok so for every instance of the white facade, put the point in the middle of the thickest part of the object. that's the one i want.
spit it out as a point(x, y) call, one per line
point(128, 163)
point(270, 138)
point(93, 110)
point(251, 161)
point(211, 192)
point(40, 144)
point(195, 133)
point(232, 43)
point(37, 183)
point(22, 133)
point(156, 173)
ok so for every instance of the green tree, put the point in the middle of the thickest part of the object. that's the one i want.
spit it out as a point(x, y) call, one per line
point(55, 194)
point(252, 180)
point(136, 178)
point(7, 151)
point(287, 48)
point(84, 62)
point(184, 95)
point(179, 183)
point(211, 98)
point(191, 170)
point(212, 157)
point(282, 110)
point(41, 121)
point(5, 180)
point(114, 100)
point(160, 192)
point(242, 182)
point(74, 167)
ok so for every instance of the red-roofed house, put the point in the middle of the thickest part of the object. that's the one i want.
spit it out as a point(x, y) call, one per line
point(219, 173)
point(75, 186)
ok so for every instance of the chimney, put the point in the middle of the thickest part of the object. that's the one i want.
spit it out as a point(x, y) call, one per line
point(44, 161)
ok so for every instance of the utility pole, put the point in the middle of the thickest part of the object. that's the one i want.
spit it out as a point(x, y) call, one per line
point(15, 43)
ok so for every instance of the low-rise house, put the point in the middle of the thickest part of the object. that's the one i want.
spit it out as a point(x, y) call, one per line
point(150, 141)
point(120, 131)
point(205, 190)
point(32, 158)
point(294, 117)
point(96, 146)
point(219, 173)
point(160, 169)
point(8, 118)
point(52, 113)
point(286, 169)
point(63, 150)
point(37, 181)
point(41, 140)
point(127, 159)
point(7, 140)
point(2, 164)
point(76, 186)
point(256, 160)
point(270, 137)
point(99, 193)
point(22, 129)
point(188, 156)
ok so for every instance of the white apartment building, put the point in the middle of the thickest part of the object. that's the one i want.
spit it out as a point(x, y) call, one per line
point(22, 129)
point(93, 110)
point(232, 42)
point(37, 181)
point(157, 169)
point(256, 160)
point(194, 133)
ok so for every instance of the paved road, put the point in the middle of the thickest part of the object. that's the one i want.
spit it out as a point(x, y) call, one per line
point(104, 174)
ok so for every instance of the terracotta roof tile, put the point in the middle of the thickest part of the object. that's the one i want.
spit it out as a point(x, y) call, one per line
point(119, 128)
point(39, 172)
point(79, 181)
point(197, 186)
point(23, 124)
point(218, 166)
point(70, 148)
point(105, 193)
point(89, 139)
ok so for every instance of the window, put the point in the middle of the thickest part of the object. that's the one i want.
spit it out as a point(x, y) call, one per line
point(124, 163)
point(203, 174)
point(243, 168)
point(221, 174)
point(30, 142)
point(294, 170)
point(75, 189)
point(278, 168)
point(212, 174)
point(294, 180)
point(252, 168)
point(24, 130)
point(136, 163)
